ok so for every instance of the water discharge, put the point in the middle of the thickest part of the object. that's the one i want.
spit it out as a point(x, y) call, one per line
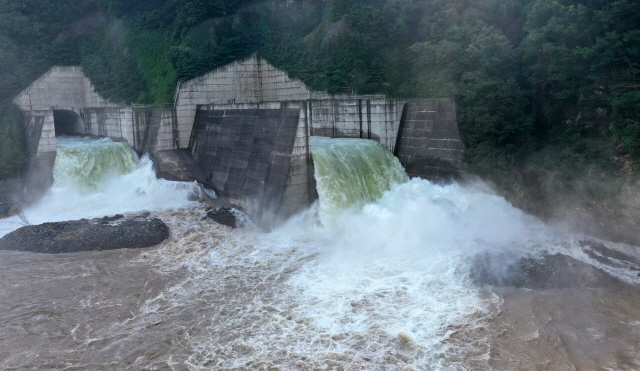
point(399, 267)
point(85, 163)
point(98, 177)
point(352, 172)
point(376, 276)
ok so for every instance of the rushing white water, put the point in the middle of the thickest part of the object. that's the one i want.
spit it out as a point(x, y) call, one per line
point(84, 164)
point(395, 256)
point(351, 173)
point(400, 266)
point(380, 282)
point(98, 177)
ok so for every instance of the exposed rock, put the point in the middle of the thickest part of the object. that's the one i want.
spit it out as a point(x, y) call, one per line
point(603, 254)
point(108, 233)
point(223, 215)
point(549, 272)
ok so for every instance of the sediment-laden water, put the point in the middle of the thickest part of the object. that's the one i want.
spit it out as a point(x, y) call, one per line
point(382, 281)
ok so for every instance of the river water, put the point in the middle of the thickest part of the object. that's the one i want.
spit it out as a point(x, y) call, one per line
point(376, 276)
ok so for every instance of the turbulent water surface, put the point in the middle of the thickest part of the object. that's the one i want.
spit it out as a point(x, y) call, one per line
point(382, 280)
point(94, 178)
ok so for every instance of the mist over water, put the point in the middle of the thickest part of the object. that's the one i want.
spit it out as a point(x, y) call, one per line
point(400, 266)
point(389, 258)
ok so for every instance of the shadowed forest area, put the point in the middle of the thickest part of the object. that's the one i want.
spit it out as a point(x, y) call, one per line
point(548, 92)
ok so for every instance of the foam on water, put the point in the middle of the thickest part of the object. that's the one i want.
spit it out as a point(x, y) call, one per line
point(381, 283)
point(397, 263)
point(383, 287)
point(401, 264)
point(375, 282)
point(84, 164)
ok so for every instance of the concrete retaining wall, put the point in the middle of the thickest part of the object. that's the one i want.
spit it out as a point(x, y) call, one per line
point(113, 122)
point(145, 129)
point(252, 80)
point(41, 146)
point(154, 129)
point(245, 151)
point(367, 118)
point(247, 126)
point(423, 133)
point(429, 141)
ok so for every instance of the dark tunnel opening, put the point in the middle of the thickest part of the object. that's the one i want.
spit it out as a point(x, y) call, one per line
point(67, 122)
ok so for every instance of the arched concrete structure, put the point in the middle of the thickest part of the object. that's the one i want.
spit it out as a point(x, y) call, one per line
point(63, 101)
point(61, 91)
point(67, 122)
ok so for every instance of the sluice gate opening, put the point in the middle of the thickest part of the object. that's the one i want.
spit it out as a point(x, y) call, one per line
point(67, 123)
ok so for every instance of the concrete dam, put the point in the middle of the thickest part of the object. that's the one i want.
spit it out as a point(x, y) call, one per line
point(243, 129)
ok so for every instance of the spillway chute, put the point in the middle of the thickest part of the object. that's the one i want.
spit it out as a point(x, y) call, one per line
point(350, 173)
point(101, 177)
point(86, 163)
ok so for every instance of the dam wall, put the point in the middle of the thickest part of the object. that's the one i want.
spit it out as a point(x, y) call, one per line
point(255, 155)
point(79, 110)
point(41, 147)
point(372, 117)
point(429, 142)
point(112, 122)
point(243, 129)
point(261, 162)
point(252, 80)
point(155, 129)
point(61, 88)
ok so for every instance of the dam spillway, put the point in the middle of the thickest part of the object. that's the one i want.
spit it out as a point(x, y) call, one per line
point(386, 286)
point(226, 130)
point(86, 164)
point(351, 173)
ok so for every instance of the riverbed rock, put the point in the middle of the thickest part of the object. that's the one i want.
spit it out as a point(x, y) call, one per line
point(224, 216)
point(108, 233)
point(550, 271)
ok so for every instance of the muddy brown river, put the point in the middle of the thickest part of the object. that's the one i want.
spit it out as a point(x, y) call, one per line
point(173, 307)
point(425, 277)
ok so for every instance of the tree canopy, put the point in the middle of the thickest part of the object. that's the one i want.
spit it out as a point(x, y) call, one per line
point(549, 88)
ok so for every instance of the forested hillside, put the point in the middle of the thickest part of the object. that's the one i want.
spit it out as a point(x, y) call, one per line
point(548, 92)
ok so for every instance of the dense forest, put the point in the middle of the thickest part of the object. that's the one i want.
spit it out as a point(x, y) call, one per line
point(548, 92)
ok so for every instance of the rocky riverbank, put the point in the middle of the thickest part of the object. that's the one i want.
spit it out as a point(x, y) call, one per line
point(559, 313)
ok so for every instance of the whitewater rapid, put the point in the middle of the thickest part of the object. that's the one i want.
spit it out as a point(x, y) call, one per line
point(376, 275)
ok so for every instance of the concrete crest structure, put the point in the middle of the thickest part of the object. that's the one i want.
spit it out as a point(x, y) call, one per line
point(243, 128)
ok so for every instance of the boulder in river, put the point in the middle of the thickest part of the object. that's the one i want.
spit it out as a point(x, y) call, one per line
point(223, 215)
point(108, 233)
point(550, 271)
